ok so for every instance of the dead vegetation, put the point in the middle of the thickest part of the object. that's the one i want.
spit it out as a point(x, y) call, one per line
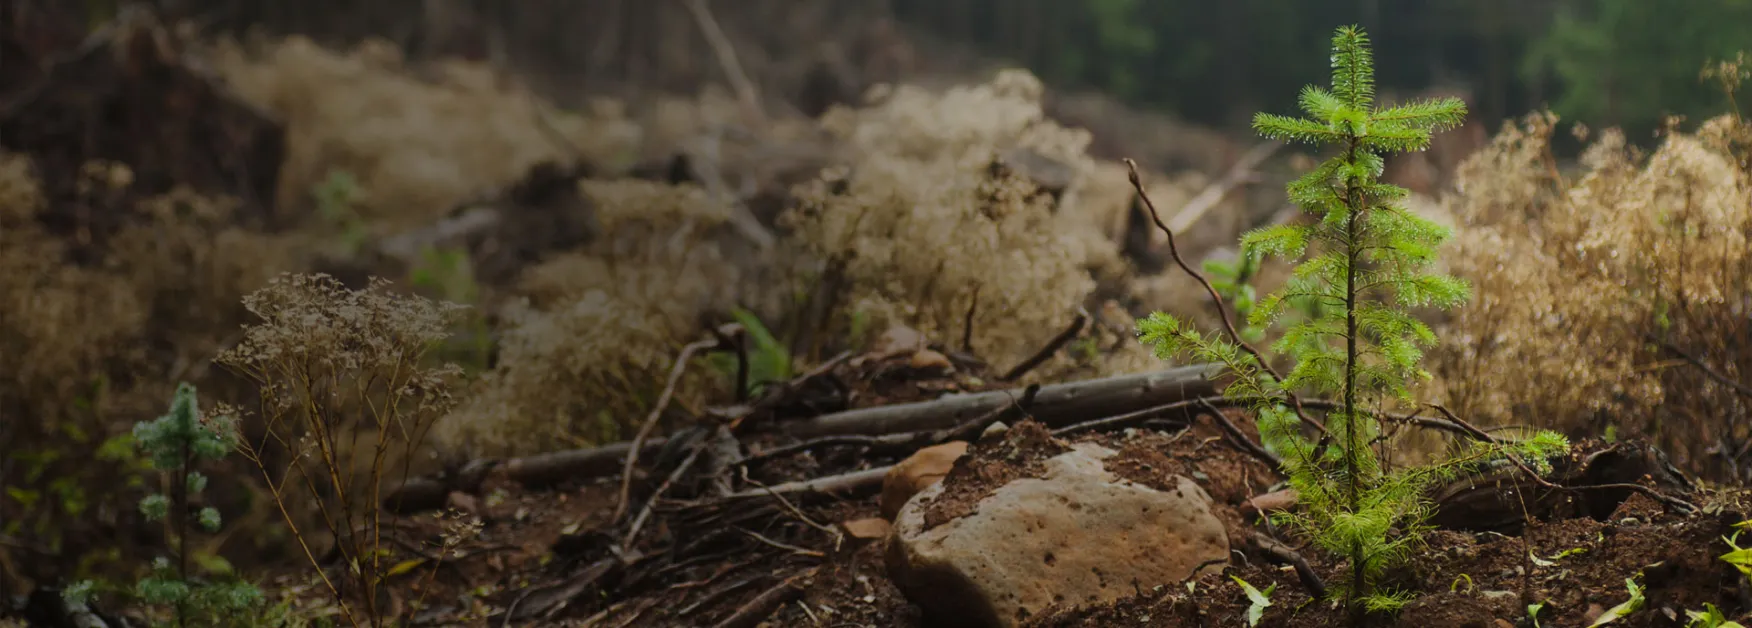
point(967, 222)
point(1638, 261)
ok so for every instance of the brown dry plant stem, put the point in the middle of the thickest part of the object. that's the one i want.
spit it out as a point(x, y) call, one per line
point(1052, 346)
point(1675, 503)
point(626, 484)
point(1709, 372)
point(347, 394)
point(1216, 299)
point(726, 53)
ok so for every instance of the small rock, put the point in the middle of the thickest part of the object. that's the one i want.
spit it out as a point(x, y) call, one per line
point(899, 340)
point(994, 430)
point(458, 500)
point(920, 470)
point(1076, 536)
point(929, 360)
point(1271, 502)
point(871, 528)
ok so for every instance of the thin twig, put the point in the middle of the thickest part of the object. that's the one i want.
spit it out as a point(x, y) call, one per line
point(726, 53)
point(1672, 502)
point(735, 335)
point(1408, 419)
point(826, 441)
point(784, 546)
point(1241, 440)
point(1216, 299)
point(1275, 549)
point(620, 508)
point(967, 321)
point(837, 538)
point(1215, 192)
point(1052, 346)
point(645, 513)
point(756, 610)
point(1713, 374)
point(1133, 418)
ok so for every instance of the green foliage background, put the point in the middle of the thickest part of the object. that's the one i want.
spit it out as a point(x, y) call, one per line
point(1609, 62)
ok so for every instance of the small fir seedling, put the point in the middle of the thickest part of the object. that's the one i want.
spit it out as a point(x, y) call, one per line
point(1364, 265)
point(175, 443)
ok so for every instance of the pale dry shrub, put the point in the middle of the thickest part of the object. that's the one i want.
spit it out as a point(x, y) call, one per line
point(417, 145)
point(922, 224)
point(627, 205)
point(1593, 288)
point(347, 396)
point(58, 322)
point(588, 343)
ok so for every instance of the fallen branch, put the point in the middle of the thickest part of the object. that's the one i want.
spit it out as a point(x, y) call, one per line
point(905, 443)
point(843, 483)
point(1054, 405)
point(1140, 417)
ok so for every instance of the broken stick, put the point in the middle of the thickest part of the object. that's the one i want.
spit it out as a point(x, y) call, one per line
point(1055, 405)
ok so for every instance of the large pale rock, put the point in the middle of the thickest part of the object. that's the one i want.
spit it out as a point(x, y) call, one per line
point(922, 469)
point(1078, 535)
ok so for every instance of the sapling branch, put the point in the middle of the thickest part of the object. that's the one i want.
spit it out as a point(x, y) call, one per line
point(1364, 263)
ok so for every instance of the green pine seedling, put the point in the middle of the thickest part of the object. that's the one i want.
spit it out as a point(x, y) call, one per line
point(175, 443)
point(1366, 263)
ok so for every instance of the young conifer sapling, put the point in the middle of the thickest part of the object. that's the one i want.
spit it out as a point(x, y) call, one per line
point(1368, 259)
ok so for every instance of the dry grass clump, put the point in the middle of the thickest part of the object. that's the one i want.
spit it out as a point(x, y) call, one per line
point(58, 322)
point(416, 144)
point(632, 212)
point(923, 222)
point(585, 349)
point(1617, 296)
point(93, 347)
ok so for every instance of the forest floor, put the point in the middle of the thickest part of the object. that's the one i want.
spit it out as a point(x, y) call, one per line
point(815, 560)
point(749, 541)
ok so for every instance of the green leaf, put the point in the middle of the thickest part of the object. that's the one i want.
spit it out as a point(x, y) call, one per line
point(1711, 617)
point(1258, 601)
point(1620, 611)
point(404, 567)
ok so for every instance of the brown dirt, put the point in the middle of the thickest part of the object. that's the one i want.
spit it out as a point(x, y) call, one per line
point(988, 465)
point(1484, 580)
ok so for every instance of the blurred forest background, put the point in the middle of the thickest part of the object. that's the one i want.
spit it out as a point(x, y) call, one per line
point(604, 181)
point(1611, 62)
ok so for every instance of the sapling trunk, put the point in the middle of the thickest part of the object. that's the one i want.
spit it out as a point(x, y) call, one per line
point(1364, 262)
